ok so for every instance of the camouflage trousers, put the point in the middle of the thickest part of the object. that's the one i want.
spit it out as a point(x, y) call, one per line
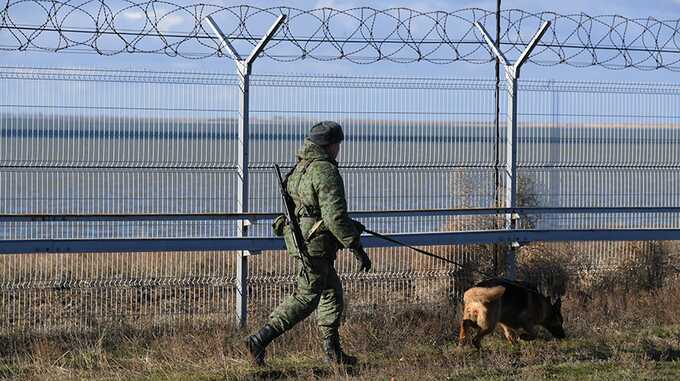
point(322, 291)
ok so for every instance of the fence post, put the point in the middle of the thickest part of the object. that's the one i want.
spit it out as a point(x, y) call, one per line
point(243, 69)
point(555, 177)
point(242, 190)
point(511, 76)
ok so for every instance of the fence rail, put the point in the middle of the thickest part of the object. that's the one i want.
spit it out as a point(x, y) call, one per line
point(255, 245)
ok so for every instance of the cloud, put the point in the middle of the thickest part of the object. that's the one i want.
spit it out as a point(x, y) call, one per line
point(334, 4)
point(134, 15)
point(421, 6)
point(167, 23)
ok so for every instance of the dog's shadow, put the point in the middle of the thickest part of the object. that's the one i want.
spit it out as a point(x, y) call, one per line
point(665, 354)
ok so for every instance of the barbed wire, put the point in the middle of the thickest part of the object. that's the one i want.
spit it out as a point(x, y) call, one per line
point(361, 35)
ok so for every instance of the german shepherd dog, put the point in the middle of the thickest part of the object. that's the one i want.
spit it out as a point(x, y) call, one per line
point(512, 305)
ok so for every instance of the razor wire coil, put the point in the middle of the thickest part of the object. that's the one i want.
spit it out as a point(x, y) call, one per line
point(361, 35)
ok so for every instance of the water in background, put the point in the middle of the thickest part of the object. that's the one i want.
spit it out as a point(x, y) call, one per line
point(73, 165)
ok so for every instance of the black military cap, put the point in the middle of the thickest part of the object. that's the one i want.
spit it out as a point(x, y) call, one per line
point(325, 133)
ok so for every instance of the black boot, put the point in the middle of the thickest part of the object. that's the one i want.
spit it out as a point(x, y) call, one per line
point(257, 343)
point(333, 353)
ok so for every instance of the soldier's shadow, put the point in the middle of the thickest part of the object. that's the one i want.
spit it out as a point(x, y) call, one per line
point(317, 372)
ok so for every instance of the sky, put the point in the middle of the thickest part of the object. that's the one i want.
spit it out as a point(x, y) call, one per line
point(664, 9)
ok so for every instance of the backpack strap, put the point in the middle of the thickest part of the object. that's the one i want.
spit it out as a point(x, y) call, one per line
point(302, 207)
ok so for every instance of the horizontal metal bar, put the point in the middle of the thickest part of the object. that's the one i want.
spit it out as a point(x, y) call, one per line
point(139, 245)
point(416, 167)
point(137, 165)
point(111, 166)
point(255, 244)
point(136, 217)
point(603, 210)
point(356, 214)
point(524, 236)
point(502, 211)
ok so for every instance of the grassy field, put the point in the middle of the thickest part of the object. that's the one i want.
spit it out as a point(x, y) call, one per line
point(620, 335)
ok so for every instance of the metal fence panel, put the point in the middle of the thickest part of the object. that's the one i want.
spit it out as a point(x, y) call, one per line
point(78, 141)
point(102, 142)
point(592, 144)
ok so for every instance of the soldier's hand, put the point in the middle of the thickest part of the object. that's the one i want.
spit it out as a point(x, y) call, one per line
point(361, 256)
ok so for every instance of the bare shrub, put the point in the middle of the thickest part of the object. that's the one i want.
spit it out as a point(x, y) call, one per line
point(639, 266)
point(488, 259)
point(550, 266)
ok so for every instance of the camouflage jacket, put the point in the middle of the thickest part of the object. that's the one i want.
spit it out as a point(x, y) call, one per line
point(319, 195)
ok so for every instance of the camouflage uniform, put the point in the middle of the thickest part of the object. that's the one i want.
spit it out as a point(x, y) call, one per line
point(319, 195)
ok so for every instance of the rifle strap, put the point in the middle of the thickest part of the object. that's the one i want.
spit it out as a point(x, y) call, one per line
point(285, 178)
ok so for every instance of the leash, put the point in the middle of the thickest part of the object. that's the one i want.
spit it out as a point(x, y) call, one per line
point(421, 251)
point(427, 253)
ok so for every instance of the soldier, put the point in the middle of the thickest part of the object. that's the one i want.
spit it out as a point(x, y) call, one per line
point(318, 193)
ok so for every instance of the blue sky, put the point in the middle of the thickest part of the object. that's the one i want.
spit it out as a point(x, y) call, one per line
point(664, 9)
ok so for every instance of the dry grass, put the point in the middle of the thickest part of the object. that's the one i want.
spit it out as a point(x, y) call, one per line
point(622, 317)
point(615, 335)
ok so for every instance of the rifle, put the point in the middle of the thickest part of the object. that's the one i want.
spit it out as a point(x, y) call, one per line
point(289, 208)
